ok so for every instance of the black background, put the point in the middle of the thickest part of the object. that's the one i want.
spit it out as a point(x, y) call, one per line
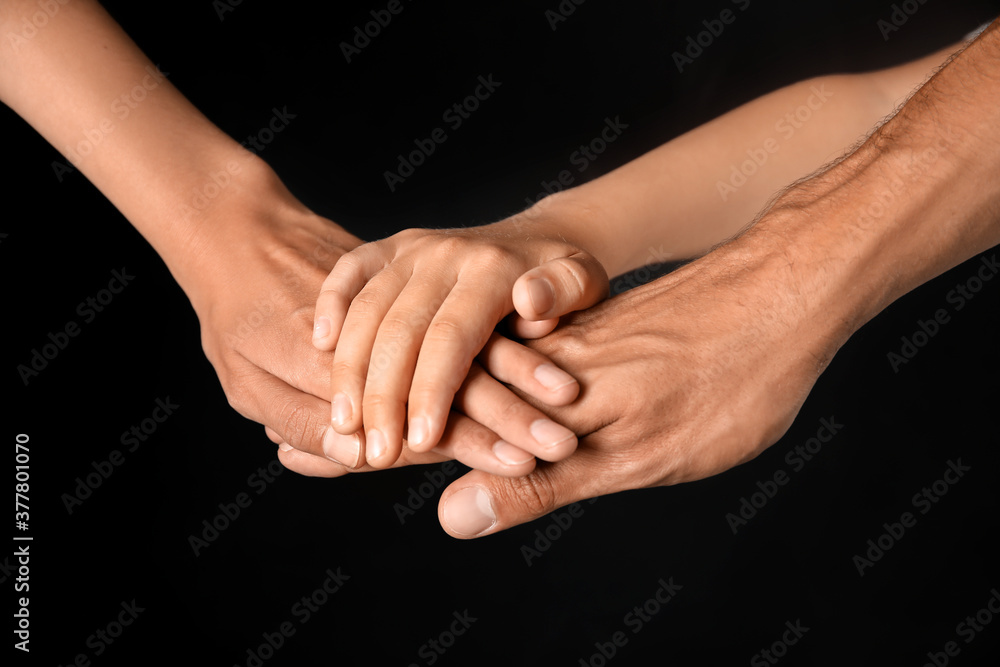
point(792, 561)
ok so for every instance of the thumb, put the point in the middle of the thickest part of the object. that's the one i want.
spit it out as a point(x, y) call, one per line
point(560, 286)
point(479, 504)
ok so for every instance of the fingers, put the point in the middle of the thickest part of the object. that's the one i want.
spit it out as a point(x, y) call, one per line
point(298, 420)
point(479, 504)
point(393, 358)
point(291, 416)
point(560, 286)
point(497, 408)
point(529, 371)
point(458, 332)
point(464, 440)
point(354, 349)
point(348, 277)
point(476, 446)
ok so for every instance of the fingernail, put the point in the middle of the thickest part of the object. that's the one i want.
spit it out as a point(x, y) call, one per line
point(469, 512)
point(553, 378)
point(417, 432)
point(374, 445)
point(322, 328)
point(510, 454)
point(342, 449)
point(285, 447)
point(341, 409)
point(541, 295)
point(549, 434)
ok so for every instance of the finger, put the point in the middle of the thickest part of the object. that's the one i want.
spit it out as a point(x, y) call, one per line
point(497, 408)
point(458, 332)
point(560, 286)
point(529, 371)
point(464, 441)
point(273, 436)
point(522, 328)
point(393, 359)
point(301, 420)
point(471, 443)
point(348, 277)
point(354, 349)
point(311, 465)
point(478, 504)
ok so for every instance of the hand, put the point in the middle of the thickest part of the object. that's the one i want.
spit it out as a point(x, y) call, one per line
point(408, 315)
point(683, 378)
point(253, 280)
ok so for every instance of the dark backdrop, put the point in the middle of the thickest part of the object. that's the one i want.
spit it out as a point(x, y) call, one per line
point(791, 563)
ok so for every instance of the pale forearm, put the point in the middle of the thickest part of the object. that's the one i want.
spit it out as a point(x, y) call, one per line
point(704, 186)
point(88, 89)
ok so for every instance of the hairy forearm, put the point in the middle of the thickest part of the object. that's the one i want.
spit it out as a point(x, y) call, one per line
point(918, 197)
point(707, 184)
point(88, 89)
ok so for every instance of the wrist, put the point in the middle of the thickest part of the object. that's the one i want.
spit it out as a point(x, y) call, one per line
point(226, 226)
point(574, 219)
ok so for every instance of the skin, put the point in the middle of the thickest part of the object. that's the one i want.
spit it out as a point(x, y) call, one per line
point(743, 332)
point(160, 162)
point(424, 302)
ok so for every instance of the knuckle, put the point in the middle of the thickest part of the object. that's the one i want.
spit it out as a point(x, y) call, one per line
point(514, 410)
point(349, 262)
point(342, 371)
point(381, 403)
point(534, 493)
point(409, 235)
point(493, 256)
point(367, 301)
point(445, 330)
point(395, 329)
point(449, 245)
point(298, 424)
